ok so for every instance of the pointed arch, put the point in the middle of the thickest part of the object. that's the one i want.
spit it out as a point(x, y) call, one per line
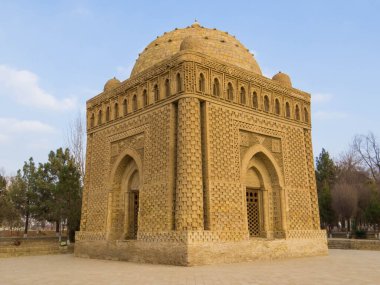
point(255, 101)
point(306, 115)
point(266, 103)
point(100, 119)
point(230, 91)
point(167, 87)
point(125, 181)
point(134, 102)
point(156, 93)
point(145, 98)
point(179, 82)
point(297, 113)
point(107, 114)
point(116, 111)
point(92, 120)
point(277, 107)
point(216, 87)
point(242, 96)
point(125, 107)
point(201, 83)
point(287, 110)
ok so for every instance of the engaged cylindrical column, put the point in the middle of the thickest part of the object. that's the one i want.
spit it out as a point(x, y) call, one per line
point(189, 188)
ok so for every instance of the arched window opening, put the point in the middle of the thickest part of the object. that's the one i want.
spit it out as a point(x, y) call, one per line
point(179, 83)
point(107, 114)
point(116, 107)
point(134, 102)
point(306, 114)
point(266, 104)
point(201, 83)
point(156, 93)
point(242, 96)
point(297, 113)
point(230, 92)
point(167, 88)
point(145, 98)
point(215, 87)
point(255, 101)
point(277, 107)
point(125, 107)
point(100, 117)
point(92, 120)
point(287, 110)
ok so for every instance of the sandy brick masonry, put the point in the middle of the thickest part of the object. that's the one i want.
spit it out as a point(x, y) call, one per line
point(197, 158)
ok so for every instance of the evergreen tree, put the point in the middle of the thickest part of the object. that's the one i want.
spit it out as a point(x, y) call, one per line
point(23, 190)
point(325, 175)
point(62, 176)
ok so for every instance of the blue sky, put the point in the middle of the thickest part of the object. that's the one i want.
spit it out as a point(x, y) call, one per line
point(55, 55)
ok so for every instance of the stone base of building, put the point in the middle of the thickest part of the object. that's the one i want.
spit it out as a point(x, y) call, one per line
point(201, 253)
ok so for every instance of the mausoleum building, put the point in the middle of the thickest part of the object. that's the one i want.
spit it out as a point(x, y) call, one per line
point(198, 158)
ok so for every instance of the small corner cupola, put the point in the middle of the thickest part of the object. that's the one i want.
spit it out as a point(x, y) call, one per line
point(111, 84)
point(191, 43)
point(283, 78)
point(196, 24)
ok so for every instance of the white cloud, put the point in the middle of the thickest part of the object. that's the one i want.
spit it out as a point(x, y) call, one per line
point(329, 115)
point(4, 138)
point(23, 87)
point(321, 97)
point(15, 126)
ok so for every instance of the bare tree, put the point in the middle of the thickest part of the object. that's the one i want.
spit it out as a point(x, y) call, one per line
point(345, 200)
point(350, 194)
point(76, 142)
point(368, 150)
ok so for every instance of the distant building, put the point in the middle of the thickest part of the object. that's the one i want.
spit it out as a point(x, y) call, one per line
point(198, 158)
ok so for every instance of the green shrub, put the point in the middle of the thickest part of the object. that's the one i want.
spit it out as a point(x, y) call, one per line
point(360, 234)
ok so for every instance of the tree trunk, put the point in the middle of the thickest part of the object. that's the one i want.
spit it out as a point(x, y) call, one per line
point(26, 224)
point(57, 228)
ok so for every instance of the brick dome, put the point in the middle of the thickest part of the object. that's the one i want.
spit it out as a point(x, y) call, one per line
point(111, 84)
point(283, 78)
point(214, 43)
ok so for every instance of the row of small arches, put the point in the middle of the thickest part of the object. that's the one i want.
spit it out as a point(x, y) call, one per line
point(156, 92)
point(255, 102)
point(201, 87)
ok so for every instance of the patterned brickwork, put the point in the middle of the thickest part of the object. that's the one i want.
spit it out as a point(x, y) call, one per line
point(97, 193)
point(299, 209)
point(86, 188)
point(189, 193)
point(190, 78)
point(311, 179)
point(222, 152)
point(299, 215)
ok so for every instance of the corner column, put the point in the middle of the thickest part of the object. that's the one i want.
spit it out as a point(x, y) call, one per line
point(189, 189)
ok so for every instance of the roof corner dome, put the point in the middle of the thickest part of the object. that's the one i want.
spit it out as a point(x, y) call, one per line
point(283, 78)
point(111, 84)
point(191, 43)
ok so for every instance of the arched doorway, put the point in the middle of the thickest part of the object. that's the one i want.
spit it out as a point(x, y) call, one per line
point(123, 205)
point(263, 192)
point(254, 199)
point(132, 211)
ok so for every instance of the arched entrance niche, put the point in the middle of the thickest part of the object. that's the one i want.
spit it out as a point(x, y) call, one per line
point(123, 198)
point(263, 194)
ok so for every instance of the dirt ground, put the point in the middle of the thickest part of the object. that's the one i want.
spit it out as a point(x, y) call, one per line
point(340, 267)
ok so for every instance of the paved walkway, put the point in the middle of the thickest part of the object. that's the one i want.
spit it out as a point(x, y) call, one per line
point(340, 267)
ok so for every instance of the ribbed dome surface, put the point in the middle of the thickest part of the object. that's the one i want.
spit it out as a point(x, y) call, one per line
point(211, 42)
